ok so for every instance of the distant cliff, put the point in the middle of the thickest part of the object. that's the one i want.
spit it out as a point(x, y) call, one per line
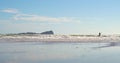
point(33, 33)
point(47, 32)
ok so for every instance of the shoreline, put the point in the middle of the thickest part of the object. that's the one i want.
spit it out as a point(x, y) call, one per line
point(59, 38)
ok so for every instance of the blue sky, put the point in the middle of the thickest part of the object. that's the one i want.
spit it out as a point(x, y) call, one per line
point(61, 16)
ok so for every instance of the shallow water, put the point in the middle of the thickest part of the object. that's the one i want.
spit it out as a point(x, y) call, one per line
point(39, 52)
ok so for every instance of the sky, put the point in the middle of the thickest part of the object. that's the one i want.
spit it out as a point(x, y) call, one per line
point(61, 16)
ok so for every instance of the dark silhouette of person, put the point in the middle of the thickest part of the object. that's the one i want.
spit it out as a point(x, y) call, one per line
point(99, 34)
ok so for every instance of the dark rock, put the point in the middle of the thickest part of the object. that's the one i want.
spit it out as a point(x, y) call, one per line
point(47, 32)
point(28, 33)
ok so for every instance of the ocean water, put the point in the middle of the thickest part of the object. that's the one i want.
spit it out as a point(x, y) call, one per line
point(40, 52)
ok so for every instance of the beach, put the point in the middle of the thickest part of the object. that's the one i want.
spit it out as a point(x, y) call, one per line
point(59, 49)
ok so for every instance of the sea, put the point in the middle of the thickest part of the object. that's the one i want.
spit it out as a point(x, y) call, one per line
point(59, 52)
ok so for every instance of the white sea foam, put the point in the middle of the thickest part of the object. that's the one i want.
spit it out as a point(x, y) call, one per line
point(59, 38)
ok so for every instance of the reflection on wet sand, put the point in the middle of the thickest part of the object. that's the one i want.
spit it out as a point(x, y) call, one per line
point(111, 44)
point(58, 52)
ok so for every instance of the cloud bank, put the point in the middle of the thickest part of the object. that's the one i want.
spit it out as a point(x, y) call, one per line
point(10, 10)
point(28, 17)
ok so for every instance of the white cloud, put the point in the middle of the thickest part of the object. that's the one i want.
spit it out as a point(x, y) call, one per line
point(10, 10)
point(27, 17)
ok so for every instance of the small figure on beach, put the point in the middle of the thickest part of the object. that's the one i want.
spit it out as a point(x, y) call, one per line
point(99, 34)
